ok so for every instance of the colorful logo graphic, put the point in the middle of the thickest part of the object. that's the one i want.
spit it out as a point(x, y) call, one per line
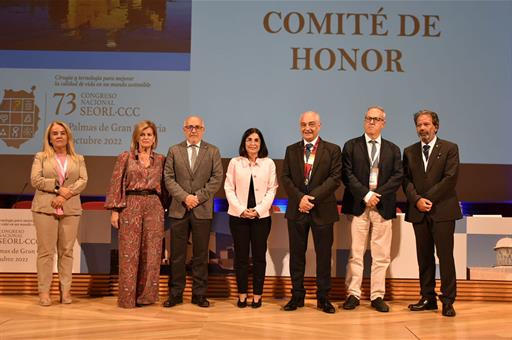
point(19, 117)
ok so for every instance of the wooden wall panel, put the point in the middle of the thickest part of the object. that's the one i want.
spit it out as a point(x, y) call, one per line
point(275, 287)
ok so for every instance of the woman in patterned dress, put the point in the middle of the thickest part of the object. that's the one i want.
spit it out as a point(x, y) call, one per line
point(135, 197)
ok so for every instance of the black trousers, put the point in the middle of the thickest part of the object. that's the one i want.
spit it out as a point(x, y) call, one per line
point(250, 234)
point(430, 234)
point(298, 232)
point(180, 231)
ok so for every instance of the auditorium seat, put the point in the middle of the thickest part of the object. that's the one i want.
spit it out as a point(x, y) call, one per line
point(22, 205)
point(93, 205)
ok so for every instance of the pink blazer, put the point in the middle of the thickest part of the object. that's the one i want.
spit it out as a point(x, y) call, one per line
point(238, 179)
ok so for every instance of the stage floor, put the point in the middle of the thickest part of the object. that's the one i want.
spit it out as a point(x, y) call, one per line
point(100, 318)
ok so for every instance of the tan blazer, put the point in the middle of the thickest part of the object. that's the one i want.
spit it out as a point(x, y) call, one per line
point(43, 178)
point(204, 180)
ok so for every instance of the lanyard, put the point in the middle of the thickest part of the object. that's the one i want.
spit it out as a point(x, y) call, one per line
point(309, 160)
point(62, 168)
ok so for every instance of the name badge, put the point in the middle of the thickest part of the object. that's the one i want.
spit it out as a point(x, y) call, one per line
point(374, 175)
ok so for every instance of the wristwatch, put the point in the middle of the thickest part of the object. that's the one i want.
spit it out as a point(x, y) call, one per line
point(56, 190)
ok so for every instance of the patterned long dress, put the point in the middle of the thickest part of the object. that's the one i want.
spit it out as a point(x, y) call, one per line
point(141, 220)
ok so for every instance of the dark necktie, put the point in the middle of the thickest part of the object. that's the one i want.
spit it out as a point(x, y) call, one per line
point(373, 160)
point(309, 147)
point(194, 155)
point(426, 148)
point(307, 166)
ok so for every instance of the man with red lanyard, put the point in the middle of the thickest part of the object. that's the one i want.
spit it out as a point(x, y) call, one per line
point(311, 175)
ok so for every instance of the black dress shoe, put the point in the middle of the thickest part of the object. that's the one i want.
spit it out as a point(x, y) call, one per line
point(200, 300)
point(351, 302)
point(325, 305)
point(380, 305)
point(242, 304)
point(294, 303)
point(142, 304)
point(448, 309)
point(256, 304)
point(424, 304)
point(173, 300)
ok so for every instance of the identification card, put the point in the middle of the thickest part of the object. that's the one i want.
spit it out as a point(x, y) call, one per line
point(374, 175)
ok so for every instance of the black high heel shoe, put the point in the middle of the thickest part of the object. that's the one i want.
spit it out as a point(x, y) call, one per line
point(242, 304)
point(256, 304)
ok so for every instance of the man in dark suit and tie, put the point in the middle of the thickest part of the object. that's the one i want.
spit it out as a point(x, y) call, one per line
point(372, 173)
point(431, 168)
point(311, 175)
point(193, 174)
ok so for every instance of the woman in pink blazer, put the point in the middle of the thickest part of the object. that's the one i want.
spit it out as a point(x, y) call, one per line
point(250, 187)
point(59, 176)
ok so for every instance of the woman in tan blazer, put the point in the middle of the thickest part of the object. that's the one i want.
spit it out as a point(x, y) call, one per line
point(58, 175)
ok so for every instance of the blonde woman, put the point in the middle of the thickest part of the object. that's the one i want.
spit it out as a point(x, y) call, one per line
point(59, 176)
point(135, 197)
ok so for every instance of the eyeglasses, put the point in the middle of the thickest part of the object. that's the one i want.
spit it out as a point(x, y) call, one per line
point(193, 127)
point(374, 119)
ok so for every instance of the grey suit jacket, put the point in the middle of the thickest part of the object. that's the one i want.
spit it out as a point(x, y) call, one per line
point(203, 181)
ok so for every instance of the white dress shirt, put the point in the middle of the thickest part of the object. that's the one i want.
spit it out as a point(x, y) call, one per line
point(432, 144)
point(377, 156)
point(189, 150)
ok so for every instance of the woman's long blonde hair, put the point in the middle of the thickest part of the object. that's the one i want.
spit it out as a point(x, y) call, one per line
point(137, 130)
point(48, 148)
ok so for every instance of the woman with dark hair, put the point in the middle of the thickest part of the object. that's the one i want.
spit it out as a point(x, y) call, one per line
point(59, 176)
point(135, 197)
point(250, 187)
